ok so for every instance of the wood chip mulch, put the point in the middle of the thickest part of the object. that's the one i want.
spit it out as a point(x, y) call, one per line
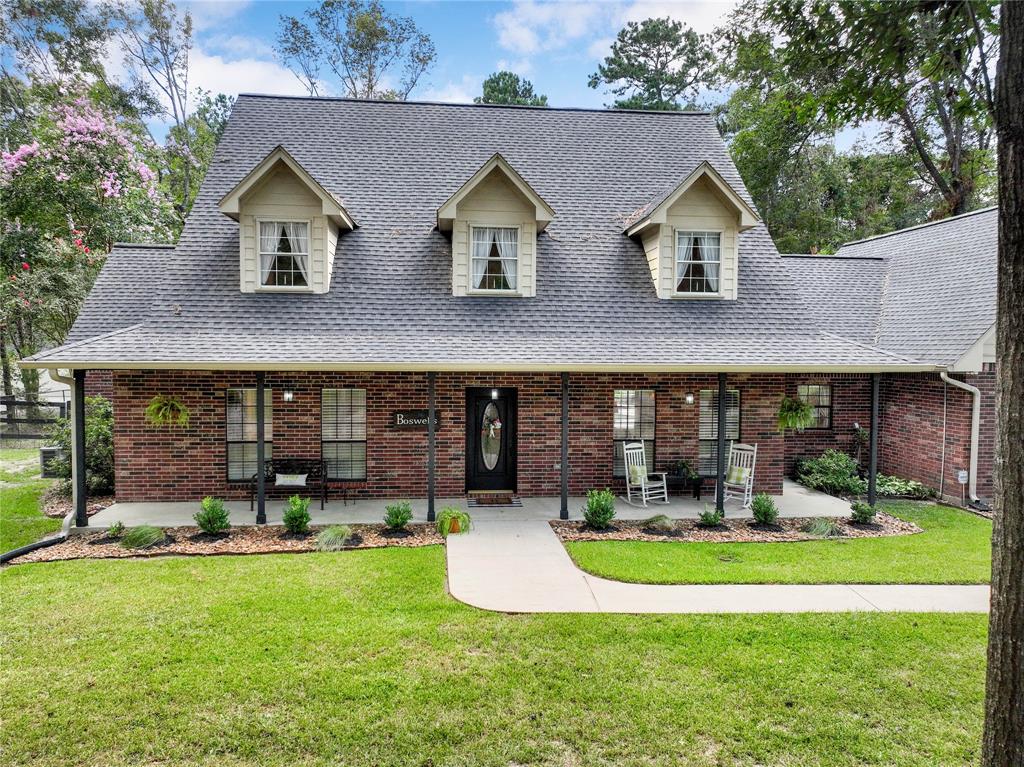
point(731, 531)
point(189, 541)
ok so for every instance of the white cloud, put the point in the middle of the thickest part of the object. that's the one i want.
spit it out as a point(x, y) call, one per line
point(600, 48)
point(519, 66)
point(210, 14)
point(530, 27)
point(702, 15)
point(218, 74)
point(242, 46)
point(461, 92)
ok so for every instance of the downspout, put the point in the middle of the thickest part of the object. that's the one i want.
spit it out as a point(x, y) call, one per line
point(972, 476)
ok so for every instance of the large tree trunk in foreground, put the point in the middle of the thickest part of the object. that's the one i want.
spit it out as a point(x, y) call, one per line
point(1003, 744)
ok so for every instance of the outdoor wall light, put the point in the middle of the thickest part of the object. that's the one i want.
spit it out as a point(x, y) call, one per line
point(494, 394)
point(689, 398)
point(288, 395)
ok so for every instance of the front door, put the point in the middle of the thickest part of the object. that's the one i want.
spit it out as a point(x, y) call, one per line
point(491, 439)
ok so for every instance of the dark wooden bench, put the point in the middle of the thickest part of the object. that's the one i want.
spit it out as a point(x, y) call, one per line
point(315, 470)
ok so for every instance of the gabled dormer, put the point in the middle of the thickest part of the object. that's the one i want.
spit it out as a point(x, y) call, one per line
point(288, 227)
point(690, 235)
point(494, 218)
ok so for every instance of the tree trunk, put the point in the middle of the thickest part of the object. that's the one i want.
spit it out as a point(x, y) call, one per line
point(1003, 744)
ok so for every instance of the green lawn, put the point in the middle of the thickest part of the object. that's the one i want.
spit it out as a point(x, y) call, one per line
point(955, 547)
point(361, 658)
point(21, 520)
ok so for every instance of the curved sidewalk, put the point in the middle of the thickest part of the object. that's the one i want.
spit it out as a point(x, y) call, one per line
point(520, 566)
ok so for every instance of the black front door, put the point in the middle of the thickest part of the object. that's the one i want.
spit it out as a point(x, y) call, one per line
point(491, 439)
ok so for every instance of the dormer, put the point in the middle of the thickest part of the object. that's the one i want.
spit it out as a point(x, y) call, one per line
point(494, 219)
point(288, 227)
point(690, 236)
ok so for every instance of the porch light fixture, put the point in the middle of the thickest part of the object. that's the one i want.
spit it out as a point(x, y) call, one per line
point(288, 395)
point(494, 394)
point(689, 398)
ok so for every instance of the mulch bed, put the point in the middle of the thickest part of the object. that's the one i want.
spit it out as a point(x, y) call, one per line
point(190, 541)
point(58, 506)
point(731, 531)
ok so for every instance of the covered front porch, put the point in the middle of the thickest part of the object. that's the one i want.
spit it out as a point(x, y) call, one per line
point(796, 501)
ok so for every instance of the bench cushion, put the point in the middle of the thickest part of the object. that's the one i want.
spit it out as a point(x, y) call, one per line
point(290, 480)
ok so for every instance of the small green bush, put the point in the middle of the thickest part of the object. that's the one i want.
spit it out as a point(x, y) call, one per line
point(600, 508)
point(212, 517)
point(296, 515)
point(822, 527)
point(142, 537)
point(451, 520)
point(862, 512)
point(660, 523)
point(834, 472)
point(903, 488)
point(397, 515)
point(99, 447)
point(333, 538)
point(710, 516)
point(764, 509)
point(116, 530)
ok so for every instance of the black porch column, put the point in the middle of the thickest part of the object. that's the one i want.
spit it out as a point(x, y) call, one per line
point(431, 447)
point(720, 469)
point(873, 454)
point(78, 449)
point(563, 512)
point(261, 493)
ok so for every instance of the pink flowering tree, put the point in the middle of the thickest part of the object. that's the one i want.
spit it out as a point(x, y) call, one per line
point(82, 181)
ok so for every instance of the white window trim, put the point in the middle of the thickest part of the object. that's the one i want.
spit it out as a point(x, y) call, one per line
point(260, 287)
point(676, 231)
point(512, 293)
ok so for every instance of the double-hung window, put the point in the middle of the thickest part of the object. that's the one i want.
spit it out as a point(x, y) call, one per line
point(284, 254)
point(708, 447)
point(819, 397)
point(633, 421)
point(698, 262)
point(495, 257)
point(240, 431)
point(343, 432)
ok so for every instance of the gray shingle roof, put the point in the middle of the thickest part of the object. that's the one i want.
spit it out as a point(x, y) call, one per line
point(927, 292)
point(393, 164)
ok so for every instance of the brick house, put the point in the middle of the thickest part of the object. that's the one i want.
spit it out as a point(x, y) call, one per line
point(449, 299)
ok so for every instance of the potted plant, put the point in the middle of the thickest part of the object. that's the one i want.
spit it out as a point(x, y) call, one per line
point(163, 410)
point(452, 520)
point(795, 413)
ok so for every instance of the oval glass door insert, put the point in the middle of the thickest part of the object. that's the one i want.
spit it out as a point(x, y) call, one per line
point(490, 436)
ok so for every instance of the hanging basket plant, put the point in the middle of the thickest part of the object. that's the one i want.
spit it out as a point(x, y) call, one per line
point(166, 411)
point(795, 413)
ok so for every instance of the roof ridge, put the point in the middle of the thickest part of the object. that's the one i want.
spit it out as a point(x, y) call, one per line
point(921, 226)
point(870, 347)
point(832, 255)
point(41, 356)
point(144, 245)
point(459, 104)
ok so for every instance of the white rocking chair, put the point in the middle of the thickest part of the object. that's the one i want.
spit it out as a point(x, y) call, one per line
point(638, 480)
point(739, 473)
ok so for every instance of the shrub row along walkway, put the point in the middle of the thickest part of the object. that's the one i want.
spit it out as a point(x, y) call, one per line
point(520, 566)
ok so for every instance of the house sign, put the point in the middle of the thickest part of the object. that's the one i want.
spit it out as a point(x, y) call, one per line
point(414, 419)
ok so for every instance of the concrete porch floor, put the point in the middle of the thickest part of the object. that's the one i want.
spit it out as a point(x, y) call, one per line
point(795, 501)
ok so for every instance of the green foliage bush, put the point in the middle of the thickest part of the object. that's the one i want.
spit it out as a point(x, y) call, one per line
point(834, 472)
point(333, 538)
point(600, 508)
point(452, 520)
point(212, 517)
point(862, 512)
point(296, 515)
point(164, 410)
point(903, 488)
point(822, 527)
point(99, 446)
point(142, 537)
point(397, 515)
point(116, 530)
point(764, 510)
point(710, 516)
point(660, 523)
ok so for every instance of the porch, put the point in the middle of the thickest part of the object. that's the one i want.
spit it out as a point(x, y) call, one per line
point(796, 501)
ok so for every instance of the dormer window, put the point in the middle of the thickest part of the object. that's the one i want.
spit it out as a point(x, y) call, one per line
point(495, 257)
point(698, 262)
point(284, 254)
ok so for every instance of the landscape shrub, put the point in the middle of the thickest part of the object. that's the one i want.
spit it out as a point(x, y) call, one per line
point(600, 508)
point(710, 516)
point(822, 527)
point(862, 512)
point(212, 517)
point(452, 520)
point(764, 510)
point(903, 488)
point(397, 515)
point(333, 538)
point(833, 472)
point(296, 515)
point(660, 523)
point(142, 537)
point(116, 530)
point(99, 447)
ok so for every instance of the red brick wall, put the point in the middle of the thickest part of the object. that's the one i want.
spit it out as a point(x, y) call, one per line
point(851, 403)
point(99, 383)
point(986, 382)
point(169, 464)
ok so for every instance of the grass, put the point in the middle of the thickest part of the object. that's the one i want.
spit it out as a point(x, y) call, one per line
point(21, 520)
point(359, 657)
point(955, 547)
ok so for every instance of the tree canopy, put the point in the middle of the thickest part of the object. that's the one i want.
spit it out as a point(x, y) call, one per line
point(509, 88)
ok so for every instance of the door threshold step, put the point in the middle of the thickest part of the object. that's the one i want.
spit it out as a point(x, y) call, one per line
point(492, 499)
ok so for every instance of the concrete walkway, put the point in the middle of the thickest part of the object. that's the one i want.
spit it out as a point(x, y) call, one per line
point(520, 566)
